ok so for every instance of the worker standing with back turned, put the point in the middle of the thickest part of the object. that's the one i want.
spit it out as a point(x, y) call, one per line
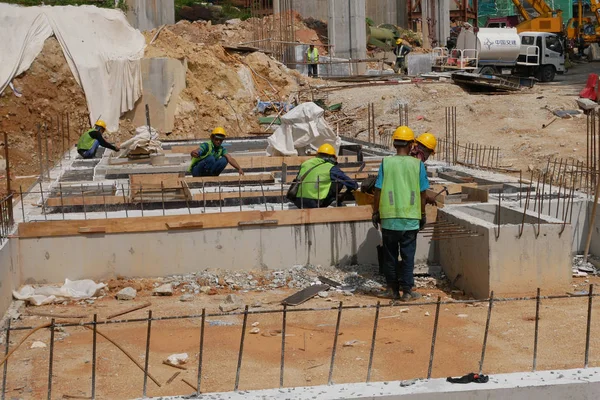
point(211, 158)
point(90, 140)
point(312, 58)
point(322, 181)
point(400, 208)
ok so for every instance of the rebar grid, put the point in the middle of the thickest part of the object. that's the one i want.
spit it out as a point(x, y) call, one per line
point(284, 311)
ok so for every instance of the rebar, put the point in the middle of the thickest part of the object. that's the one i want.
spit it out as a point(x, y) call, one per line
point(147, 357)
point(43, 201)
point(335, 340)
point(47, 152)
point(125, 201)
point(94, 333)
point(372, 352)
point(83, 202)
point(487, 328)
point(434, 336)
point(588, 330)
point(142, 199)
point(62, 207)
point(282, 364)
point(537, 327)
point(201, 351)
point(51, 359)
point(22, 203)
point(104, 201)
point(4, 374)
point(241, 352)
point(162, 194)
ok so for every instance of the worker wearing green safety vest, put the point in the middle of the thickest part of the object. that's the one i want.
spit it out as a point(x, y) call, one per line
point(91, 139)
point(312, 58)
point(211, 158)
point(322, 181)
point(400, 208)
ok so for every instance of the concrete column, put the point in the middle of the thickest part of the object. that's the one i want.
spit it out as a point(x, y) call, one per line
point(425, 14)
point(443, 21)
point(275, 6)
point(382, 11)
point(348, 30)
point(401, 14)
point(146, 15)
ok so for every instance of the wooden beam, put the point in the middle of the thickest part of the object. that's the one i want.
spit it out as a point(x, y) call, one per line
point(79, 201)
point(208, 221)
point(276, 161)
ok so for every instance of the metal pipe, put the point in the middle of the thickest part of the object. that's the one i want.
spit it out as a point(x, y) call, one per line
point(589, 325)
point(51, 359)
point(94, 357)
point(487, 328)
point(201, 351)
point(372, 352)
point(434, 336)
point(147, 357)
point(241, 353)
point(283, 325)
point(335, 340)
point(537, 327)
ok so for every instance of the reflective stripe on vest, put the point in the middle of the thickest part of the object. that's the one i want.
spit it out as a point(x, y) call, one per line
point(218, 154)
point(86, 141)
point(318, 181)
point(313, 56)
point(400, 193)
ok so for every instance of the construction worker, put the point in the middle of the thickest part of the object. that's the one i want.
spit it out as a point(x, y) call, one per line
point(424, 146)
point(312, 58)
point(400, 209)
point(211, 158)
point(322, 181)
point(401, 51)
point(92, 139)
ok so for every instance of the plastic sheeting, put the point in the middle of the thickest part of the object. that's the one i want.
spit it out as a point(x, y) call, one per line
point(76, 290)
point(302, 127)
point(102, 50)
point(143, 139)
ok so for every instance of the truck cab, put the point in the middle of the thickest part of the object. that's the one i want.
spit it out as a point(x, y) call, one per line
point(542, 55)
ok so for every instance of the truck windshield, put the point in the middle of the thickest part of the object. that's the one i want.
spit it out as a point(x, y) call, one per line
point(553, 43)
point(527, 40)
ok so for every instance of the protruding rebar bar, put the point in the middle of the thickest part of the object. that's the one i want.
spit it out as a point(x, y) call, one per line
point(94, 332)
point(142, 199)
point(51, 359)
point(101, 187)
point(372, 352)
point(537, 326)
point(335, 340)
point(147, 357)
point(125, 201)
point(83, 202)
point(43, 201)
point(487, 328)
point(241, 352)
point(62, 206)
point(162, 196)
point(6, 360)
point(589, 325)
point(201, 351)
point(434, 336)
point(283, 326)
point(22, 202)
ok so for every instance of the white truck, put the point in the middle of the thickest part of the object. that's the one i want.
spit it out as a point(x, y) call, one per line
point(502, 51)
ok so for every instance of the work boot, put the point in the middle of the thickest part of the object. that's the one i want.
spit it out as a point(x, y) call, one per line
point(408, 295)
point(392, 293)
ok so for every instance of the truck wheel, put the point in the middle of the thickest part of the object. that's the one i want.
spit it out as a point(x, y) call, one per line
point(488, 71)
point(547, 73)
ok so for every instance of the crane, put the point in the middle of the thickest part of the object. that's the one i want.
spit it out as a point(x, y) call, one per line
point(549, 20)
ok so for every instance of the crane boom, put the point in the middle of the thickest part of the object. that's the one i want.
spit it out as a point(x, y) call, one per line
point(521, 9)
point(541, 7)
point(595, 8)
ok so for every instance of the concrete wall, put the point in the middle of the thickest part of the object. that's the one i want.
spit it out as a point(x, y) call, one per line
point(163, 79)
point(347, 29)
point(10, 278)
point(505, 264)
point(146, 15)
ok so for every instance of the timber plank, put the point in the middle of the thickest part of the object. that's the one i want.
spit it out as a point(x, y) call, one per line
point(208, 221)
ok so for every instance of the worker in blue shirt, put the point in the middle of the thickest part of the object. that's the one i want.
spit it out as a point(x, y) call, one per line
point(399, 207)
point(211, 158)
point(323, 181)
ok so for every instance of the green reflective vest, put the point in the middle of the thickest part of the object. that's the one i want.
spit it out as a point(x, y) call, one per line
point(318, 181)
point(401, 191)
point(218, 154)
point(85, 141)
point(313, 56)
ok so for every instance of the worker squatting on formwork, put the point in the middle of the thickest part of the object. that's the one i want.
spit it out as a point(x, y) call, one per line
point(91, 139)
point(211, 158)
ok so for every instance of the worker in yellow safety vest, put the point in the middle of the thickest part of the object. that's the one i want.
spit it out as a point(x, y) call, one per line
point(322, 181)
point(400, 209)
point(211, 158)
point(91, 139)
point(312, 58)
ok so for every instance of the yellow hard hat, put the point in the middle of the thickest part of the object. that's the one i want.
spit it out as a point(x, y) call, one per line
point(219, 131)
point(326, 149)
point(399, 41)
point(404, 133)
point(100, 123)
point(428, 140)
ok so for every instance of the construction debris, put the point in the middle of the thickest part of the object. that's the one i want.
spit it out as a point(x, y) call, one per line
point(231, 303)
point(304, 295)
point(127, 293)
point(76, 290)
point(178, 359)
point(38, 345)
point(163, 290)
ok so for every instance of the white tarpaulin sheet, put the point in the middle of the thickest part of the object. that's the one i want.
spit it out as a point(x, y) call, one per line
point(303, 126)
point(102, 50)
point(76, 290)
point(144, 139)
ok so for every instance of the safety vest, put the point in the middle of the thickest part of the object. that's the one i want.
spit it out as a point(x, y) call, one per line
point(401, 193)
point(86, 141)
point(318, 181)
point(313, 56)
point(217, 155)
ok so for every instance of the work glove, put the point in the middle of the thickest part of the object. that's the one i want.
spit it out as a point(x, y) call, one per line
point(376, 219)
point(423, 221)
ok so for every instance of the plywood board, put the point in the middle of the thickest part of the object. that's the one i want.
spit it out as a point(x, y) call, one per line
point(208, 221)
